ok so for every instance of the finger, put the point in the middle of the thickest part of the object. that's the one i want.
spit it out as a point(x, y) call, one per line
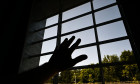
point(74, 46)
point(70, 41)
point(79, 59)
point(64, 42)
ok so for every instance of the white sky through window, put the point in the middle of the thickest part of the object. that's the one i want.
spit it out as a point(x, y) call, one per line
point(105, 32)
point(76, 11)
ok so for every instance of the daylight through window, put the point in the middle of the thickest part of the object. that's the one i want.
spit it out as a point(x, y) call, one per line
point(105, 40)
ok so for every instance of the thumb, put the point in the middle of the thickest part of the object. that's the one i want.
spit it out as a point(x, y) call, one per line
point(80, 58)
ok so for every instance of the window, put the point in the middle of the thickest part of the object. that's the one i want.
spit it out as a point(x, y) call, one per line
point(76, 11)
point(105, 39)
point(78, 23)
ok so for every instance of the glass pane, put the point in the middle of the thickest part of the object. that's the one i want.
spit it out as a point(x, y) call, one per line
point(86, 36)
point(52, 20)
point(115, 51)
point(77, 23)
point(48, 46)
point(50, 32)
point(101, 3)
point(91, 52)
point(80, 76)
point(111, 31)
point(44, 59)
point(77, 11)
point(122, 74)
point(107, 14)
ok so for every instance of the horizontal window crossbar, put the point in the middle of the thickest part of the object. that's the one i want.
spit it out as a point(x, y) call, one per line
point(108, 22)
point(113, 40)
point(105, 7)
point(103, 65)
point(46, 27)
point(87, 45)
point(77, 17)
point(103, 42)
point(44, 40)
point(43, 54)
point(79, 30)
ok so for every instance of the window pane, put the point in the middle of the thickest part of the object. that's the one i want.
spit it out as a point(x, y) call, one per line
point(44, 59)
point(77, 11)
point(50, 32)
point(52, 20)
point(77, 23)
point(111, 31)
point(86, 36)
point(122, 74)
point(112, 52)
point(48, 46)
point(80, 76)
point(107, 14)
point(101, 3)
point(91, 52)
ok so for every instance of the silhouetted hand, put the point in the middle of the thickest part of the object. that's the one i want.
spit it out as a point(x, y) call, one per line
point(61, 58)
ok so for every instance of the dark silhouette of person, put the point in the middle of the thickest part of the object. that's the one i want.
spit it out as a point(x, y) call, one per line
point(60, 61)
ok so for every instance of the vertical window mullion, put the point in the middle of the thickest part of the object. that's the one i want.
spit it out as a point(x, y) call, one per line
point(97, 41)
point(55, 80)
point(59, 29)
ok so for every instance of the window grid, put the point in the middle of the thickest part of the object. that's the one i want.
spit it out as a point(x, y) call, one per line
point(82, 29)
point(97, 43)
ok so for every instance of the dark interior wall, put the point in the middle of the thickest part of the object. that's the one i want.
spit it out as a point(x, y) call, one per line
point(15, 14)
point(132, 15)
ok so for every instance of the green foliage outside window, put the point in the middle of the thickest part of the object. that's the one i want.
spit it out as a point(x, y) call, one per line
point(117, 73)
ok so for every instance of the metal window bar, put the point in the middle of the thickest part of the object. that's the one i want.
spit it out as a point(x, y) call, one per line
point(46, 27)
point(108, 6)
point(97, 41)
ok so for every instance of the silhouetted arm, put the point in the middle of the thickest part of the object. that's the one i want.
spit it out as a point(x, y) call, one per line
point(60, 60)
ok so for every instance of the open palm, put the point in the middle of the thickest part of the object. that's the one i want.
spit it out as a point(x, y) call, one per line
point(61, 58)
